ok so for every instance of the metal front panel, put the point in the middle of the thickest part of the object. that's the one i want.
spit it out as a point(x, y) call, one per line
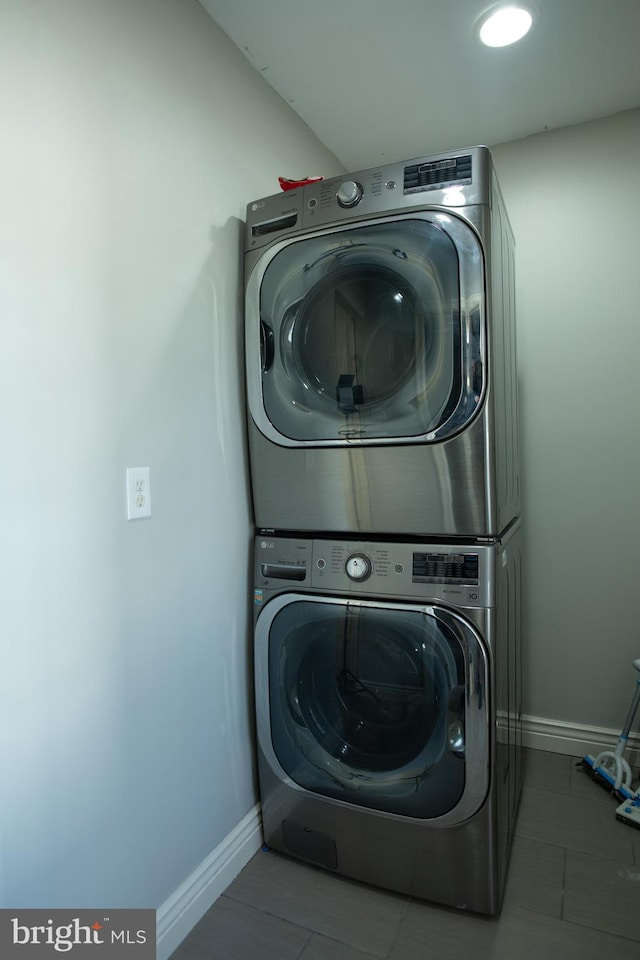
point(462, 866)
point(416, 490)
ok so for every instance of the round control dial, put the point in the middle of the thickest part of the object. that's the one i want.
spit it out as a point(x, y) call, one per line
point(358, 567)
point(349, 193)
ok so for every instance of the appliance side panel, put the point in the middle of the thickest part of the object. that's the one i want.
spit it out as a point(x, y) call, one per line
point(512, 567)
point(509, 681)
point(499, 694)
point(503, 370)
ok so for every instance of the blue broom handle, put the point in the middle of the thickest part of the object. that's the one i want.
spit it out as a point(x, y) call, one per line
point(632, 709)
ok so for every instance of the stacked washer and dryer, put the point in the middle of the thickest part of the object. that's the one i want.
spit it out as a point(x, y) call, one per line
point(382, 419)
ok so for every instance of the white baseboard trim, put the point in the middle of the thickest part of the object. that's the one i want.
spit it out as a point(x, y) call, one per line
point(574, 739)
point(182, 910)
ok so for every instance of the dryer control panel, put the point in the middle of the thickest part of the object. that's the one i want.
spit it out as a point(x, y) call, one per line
point(458, 574)
point(452, 180)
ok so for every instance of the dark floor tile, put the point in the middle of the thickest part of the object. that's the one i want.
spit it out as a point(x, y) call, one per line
point(450, 934)
point(445, 935)
point(547, 771)
point(236, 931)
point(535, 877)
point(635, 836)
point(603, 894)
point(633, 827)
point(572, 822)
point(325, 903)
point(323, 948)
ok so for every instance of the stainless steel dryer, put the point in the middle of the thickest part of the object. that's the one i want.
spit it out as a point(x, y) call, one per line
point(380, 352)
point(388, 710)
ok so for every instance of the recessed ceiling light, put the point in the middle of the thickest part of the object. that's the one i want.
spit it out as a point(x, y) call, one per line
point(505, 24)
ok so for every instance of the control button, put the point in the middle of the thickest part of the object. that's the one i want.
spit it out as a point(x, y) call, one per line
point(312, 203)
point(358, 567)
point(390, 184)
point(399, 568)
point(349, 193)
point(321, 564)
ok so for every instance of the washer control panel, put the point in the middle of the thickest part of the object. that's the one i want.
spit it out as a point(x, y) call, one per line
point(418, 571)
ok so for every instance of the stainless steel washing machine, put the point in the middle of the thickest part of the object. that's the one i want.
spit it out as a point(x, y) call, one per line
point(380, 352)
point(388, 709)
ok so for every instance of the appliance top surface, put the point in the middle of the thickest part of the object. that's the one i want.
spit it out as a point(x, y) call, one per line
point(456, 179)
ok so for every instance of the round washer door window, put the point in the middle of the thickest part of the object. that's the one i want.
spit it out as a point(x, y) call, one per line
point(370, 333)
point(367, 703)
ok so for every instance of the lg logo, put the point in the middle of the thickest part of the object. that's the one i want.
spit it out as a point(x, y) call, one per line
point(267, 545)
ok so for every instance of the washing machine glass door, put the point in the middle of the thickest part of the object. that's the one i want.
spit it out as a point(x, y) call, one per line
point(373, 333)
point(380, 705)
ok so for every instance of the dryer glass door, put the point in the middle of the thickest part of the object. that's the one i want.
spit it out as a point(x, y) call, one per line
point(373, 333)
point(380, 705)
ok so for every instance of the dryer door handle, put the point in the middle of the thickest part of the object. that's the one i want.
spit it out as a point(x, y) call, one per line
point(267, 347)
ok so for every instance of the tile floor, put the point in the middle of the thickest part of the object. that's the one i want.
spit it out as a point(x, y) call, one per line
point(573, 891)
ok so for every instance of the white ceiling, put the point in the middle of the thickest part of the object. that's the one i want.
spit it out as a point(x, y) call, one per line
point(385, 80)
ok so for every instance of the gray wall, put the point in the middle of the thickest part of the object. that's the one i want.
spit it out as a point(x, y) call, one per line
point(573, 196)
point(133, 136)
